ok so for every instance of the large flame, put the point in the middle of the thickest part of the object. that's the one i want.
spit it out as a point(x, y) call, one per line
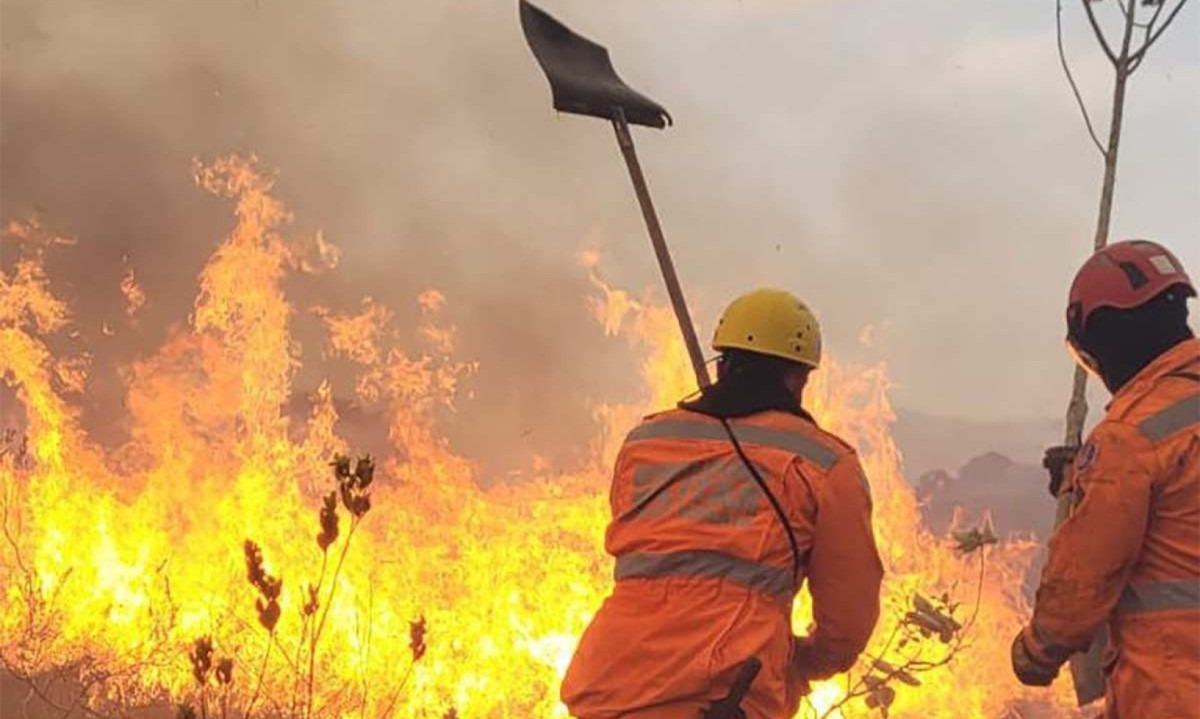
point(115, 562)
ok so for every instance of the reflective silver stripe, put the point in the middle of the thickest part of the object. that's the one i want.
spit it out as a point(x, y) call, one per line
point(713, 565)
point(1168, 421)
point(717, 490)
point(1160, 596)
point(811, 449)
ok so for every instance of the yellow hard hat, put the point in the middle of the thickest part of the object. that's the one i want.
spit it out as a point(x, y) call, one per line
point(770, 322)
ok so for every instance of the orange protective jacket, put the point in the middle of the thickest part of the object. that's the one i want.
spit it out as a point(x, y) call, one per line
point(704, 568)
point(1129, 552)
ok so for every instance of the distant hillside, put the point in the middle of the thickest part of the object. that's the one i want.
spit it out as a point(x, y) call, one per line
point(1013, 493)
point(978, 466)
point(931, 442)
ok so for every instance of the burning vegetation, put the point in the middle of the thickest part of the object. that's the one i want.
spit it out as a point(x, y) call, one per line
point(228, 561)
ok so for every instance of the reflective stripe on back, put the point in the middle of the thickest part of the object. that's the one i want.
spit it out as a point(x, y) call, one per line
point(810, 449)
point(713, 565)
point(1160, 596)
point(1169, 420)
point(716, 490)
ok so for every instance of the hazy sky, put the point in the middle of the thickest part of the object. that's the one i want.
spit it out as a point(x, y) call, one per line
point(919, 166)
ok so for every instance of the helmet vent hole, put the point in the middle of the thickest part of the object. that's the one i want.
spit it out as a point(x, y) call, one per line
point(1137, 278)
point(749, 338)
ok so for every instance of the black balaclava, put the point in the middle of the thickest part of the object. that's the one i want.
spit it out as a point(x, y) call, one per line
point(747, 383)
point(1124, 342)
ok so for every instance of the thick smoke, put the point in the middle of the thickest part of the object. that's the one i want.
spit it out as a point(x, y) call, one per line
point(918, 167)
point(402, 131)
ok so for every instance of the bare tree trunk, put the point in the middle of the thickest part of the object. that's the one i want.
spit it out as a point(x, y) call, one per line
point(1110, 157)
point(1086, 667)
point(1078, 408)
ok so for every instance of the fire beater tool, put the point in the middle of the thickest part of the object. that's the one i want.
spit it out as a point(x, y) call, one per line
point(584, 82)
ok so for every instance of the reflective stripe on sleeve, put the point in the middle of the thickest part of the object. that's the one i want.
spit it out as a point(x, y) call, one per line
point(1160, 596)
point(1170, 420)
point(811, 449)
point(713, 565)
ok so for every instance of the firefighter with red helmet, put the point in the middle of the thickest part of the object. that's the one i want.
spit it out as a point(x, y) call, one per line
point(1128, 553)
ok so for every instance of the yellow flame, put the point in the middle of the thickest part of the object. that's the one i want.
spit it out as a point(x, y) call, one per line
point(117, 560)
point(135, 297)
point(825, 697)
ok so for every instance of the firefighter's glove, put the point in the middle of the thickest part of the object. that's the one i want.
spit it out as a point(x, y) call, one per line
point(1028, 669)
point(1057, 461)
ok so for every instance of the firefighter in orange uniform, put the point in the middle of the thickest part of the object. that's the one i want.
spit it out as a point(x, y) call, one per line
point(721, 508)
point(1129, 553)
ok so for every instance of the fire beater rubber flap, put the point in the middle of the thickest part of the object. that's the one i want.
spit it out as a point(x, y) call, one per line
point(582, 78)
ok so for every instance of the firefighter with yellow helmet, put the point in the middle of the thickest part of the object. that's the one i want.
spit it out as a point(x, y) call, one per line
point(721, 509)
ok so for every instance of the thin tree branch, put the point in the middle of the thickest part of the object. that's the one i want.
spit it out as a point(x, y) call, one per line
point(1087, 6)
point(913, 662)
point(1062, 56)
point(316, 636)
point(1148, 26)
point(262, 672)
point(366, 659)
point(391, 704)
point(1136, 58)
point(854, 691)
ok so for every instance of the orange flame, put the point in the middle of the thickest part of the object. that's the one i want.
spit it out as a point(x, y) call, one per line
point(117, 561)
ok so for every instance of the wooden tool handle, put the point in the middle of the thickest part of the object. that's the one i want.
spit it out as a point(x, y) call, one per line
point(625, 140)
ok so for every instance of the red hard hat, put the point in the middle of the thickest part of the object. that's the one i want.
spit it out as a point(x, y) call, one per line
point(1123, 275)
